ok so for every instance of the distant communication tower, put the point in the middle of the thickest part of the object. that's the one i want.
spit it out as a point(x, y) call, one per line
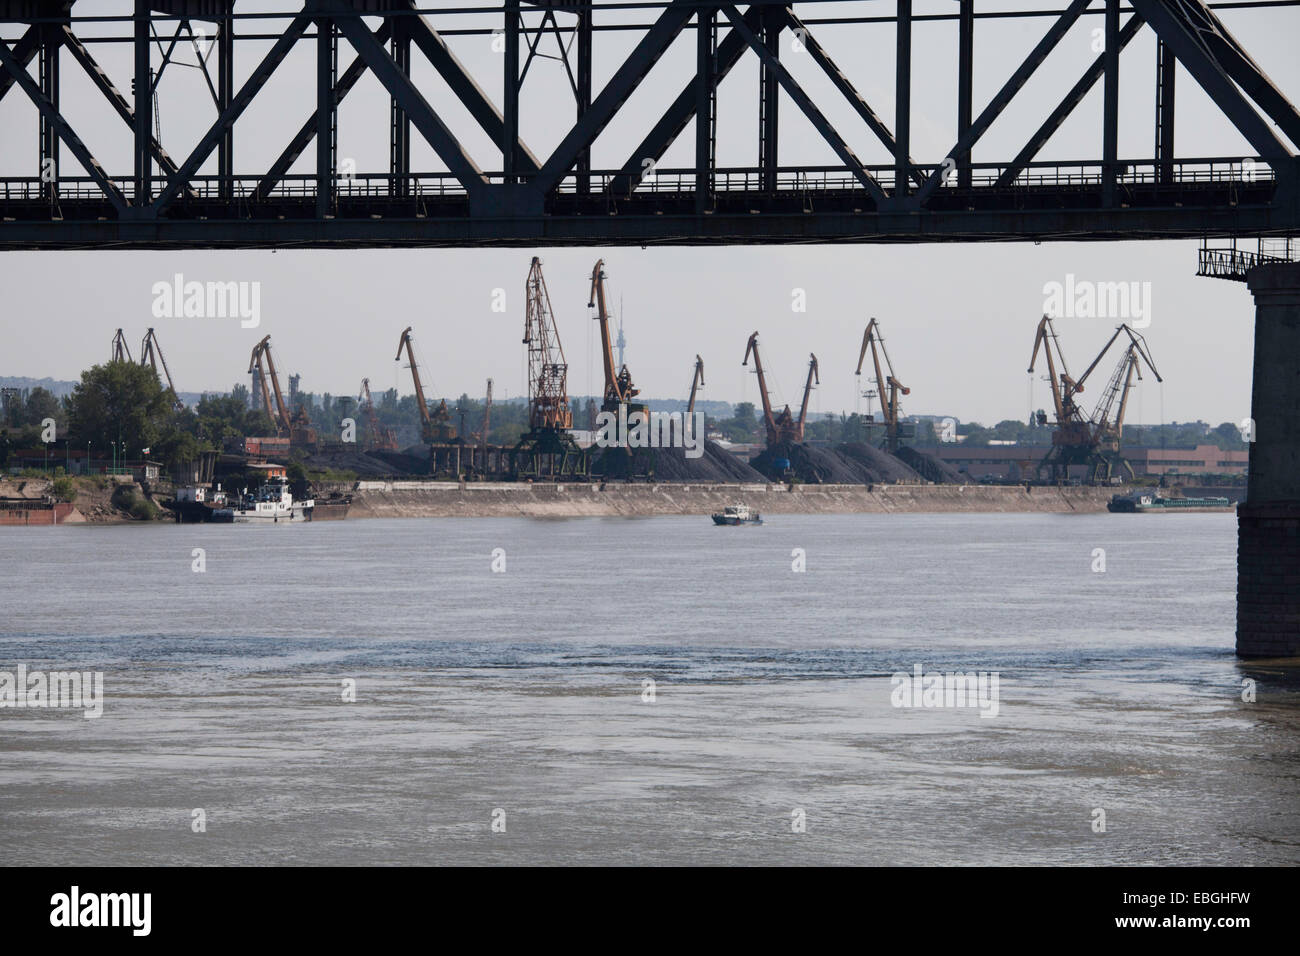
point(548, 372)
point(620, 341)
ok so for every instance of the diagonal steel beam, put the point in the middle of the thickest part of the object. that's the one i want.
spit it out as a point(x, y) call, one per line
point(800, 98)
point(19, 73)
point(1239, 65)
point(1067, 105)
point(114, 96)
point(620, 86)
point(841, 82)
point(24, 51)
point(1201, 63)
point(674, 120)
point(307, 132)
point(1013, 86)
point(252, 86)
point(469, 93)
point(421, 114)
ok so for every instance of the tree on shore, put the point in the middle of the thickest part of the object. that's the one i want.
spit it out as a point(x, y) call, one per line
point(121, 401)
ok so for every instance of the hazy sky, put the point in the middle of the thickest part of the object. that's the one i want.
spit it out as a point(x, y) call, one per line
point(959, 320)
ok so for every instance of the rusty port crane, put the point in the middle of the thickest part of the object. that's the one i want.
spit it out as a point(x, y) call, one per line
point(890, 387)
point(546, 450)
point(379, 437)
point(619, 390)
point(257, 363)
point(297, 428)
point(781, 427)
point(435, 425)
point(151, 354)
point(1091, 441)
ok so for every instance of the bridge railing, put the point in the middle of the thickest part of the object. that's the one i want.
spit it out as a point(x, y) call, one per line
point(801, 180)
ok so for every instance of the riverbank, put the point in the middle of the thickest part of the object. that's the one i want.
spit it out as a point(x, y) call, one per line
point(104, 502)
point(75, 500)
point(413, 499)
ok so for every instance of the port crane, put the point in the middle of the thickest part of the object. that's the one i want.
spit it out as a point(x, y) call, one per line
point(888, 385)
point(546, 449)
point(151, 354)
point(298, 428)
point(697, 382)
point(121, 353)
point(257, 364)
point(548, 371)
point(619, 389)
point(379, 437)
point(434, 425)
point(781, 427)
point(1109, 432)
point(1088, 440)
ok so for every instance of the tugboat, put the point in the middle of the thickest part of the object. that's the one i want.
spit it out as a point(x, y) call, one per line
point(737, 514)
point(271, 504)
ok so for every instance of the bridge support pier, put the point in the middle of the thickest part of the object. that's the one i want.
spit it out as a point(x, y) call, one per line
point(1268, 521)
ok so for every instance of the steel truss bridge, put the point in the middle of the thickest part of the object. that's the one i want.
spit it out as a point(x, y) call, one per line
point(534, 198)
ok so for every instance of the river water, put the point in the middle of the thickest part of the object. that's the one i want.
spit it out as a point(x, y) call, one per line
point(505, 716)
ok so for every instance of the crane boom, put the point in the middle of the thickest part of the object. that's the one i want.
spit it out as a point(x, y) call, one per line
point(121, 353)
point(1128, 384)
point(1064, 387)
point(807, 391)
point(769, 420)
point(618, 382)
point(275, 384)
point(697, 382)
point(255, 363)
point(151, 354)
point(890, 387)
point(426, 423)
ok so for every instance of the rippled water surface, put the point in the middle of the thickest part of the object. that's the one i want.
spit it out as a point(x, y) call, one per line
point(523, 691)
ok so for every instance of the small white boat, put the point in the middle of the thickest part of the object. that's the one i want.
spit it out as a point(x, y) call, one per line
point(272, 503)
point(737, 514)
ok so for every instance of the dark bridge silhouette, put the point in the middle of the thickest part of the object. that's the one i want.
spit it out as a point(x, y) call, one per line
point(532, 197)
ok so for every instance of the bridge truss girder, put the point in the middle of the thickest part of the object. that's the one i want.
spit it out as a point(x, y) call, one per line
point(558, 199)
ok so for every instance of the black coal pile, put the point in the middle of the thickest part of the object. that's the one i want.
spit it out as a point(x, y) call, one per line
point(812, 464)
point(407, 462)
point(671, 464)
point(882, 467)
point(418, 450)
point(362, 464)
point(929, 467)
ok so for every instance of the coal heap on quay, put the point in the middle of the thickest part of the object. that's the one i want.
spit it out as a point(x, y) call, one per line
point(881, 465)
point(929, 467)
point(818, 465)
point(376, 464)
point(716, 465)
